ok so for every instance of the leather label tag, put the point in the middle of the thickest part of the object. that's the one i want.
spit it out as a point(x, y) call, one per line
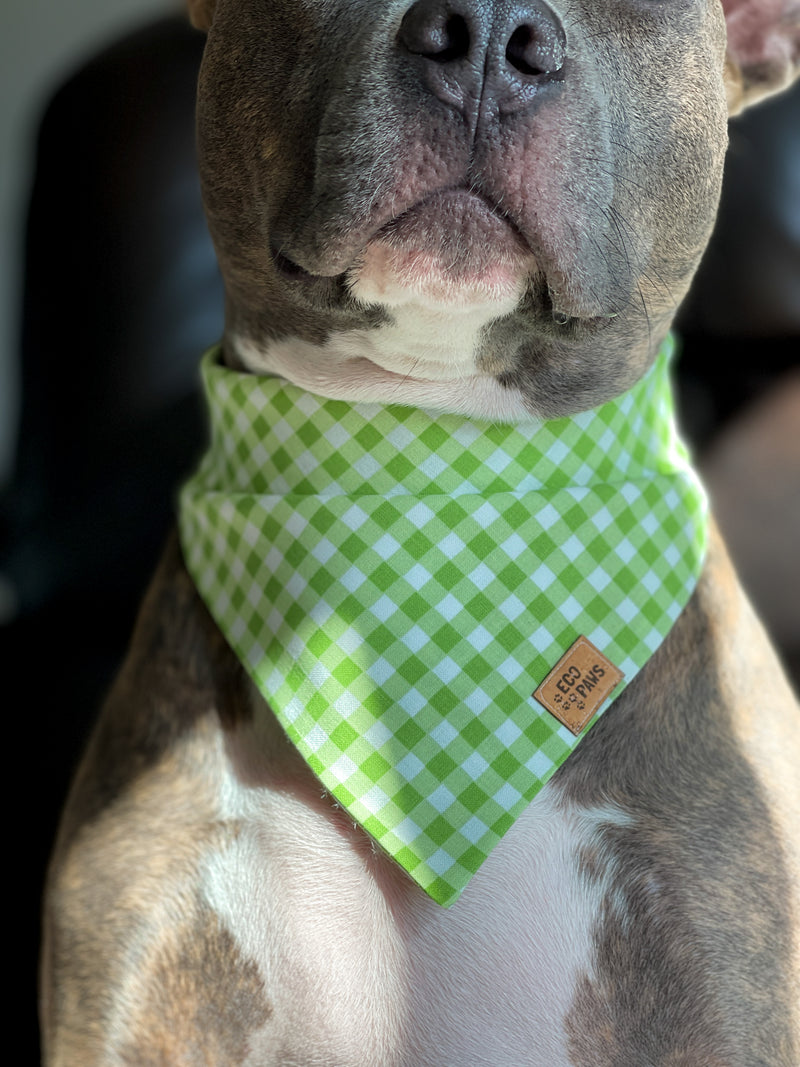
point(578, 685)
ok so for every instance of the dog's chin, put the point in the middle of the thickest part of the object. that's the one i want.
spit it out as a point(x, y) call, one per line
point(394, 277)
point(450, 251)
point(441, 272)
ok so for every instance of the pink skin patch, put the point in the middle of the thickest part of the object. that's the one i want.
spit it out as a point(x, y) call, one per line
point(451, 249)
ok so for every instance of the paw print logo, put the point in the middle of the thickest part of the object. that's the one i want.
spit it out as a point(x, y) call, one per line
point(558, 699)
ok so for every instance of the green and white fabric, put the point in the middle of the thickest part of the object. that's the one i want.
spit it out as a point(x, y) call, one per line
point(398, 583)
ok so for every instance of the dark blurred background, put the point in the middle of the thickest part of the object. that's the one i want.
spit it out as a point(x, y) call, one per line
point(121, 295)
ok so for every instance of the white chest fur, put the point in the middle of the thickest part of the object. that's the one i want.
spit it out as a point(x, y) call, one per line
point(360, 967)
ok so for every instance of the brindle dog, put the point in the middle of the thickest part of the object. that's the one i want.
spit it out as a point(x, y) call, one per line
point(494, 207)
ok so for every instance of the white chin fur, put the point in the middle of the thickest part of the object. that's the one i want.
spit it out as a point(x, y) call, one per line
point(409, 277)
point(424, 357)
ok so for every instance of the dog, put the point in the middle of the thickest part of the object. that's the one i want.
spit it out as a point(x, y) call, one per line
point(482, 210)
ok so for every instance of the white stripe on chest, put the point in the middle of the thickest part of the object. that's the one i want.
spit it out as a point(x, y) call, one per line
point(363, 969)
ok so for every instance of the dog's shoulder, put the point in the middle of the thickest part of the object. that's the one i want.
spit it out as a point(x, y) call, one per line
point(141, 820)
point(702, 751)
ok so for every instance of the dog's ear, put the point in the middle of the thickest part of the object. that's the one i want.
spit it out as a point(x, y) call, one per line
point(763, 48)
point(201, 13)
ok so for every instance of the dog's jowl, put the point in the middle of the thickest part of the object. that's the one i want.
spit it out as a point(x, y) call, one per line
point(446, 737)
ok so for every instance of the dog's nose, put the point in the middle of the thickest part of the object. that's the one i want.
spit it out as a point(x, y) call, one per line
point(471, 52)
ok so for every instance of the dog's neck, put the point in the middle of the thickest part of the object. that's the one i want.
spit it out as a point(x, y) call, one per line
point(425, 355)
point(398, 584)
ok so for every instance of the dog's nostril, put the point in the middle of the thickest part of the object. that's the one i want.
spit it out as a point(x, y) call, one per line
point(430, 30)
point(454, 40)
point(536, 48)
point(520, 53)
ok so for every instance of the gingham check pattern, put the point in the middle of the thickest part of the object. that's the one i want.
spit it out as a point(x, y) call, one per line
point(398, 584)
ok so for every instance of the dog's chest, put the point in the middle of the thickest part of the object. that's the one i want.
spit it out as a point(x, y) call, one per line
point(361, 968)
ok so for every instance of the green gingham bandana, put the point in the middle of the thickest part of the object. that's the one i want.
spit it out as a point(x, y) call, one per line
point(398, 583)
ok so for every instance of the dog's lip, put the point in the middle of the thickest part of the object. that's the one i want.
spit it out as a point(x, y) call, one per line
point(460, 197)
point(287, 267)
point(384, 230)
